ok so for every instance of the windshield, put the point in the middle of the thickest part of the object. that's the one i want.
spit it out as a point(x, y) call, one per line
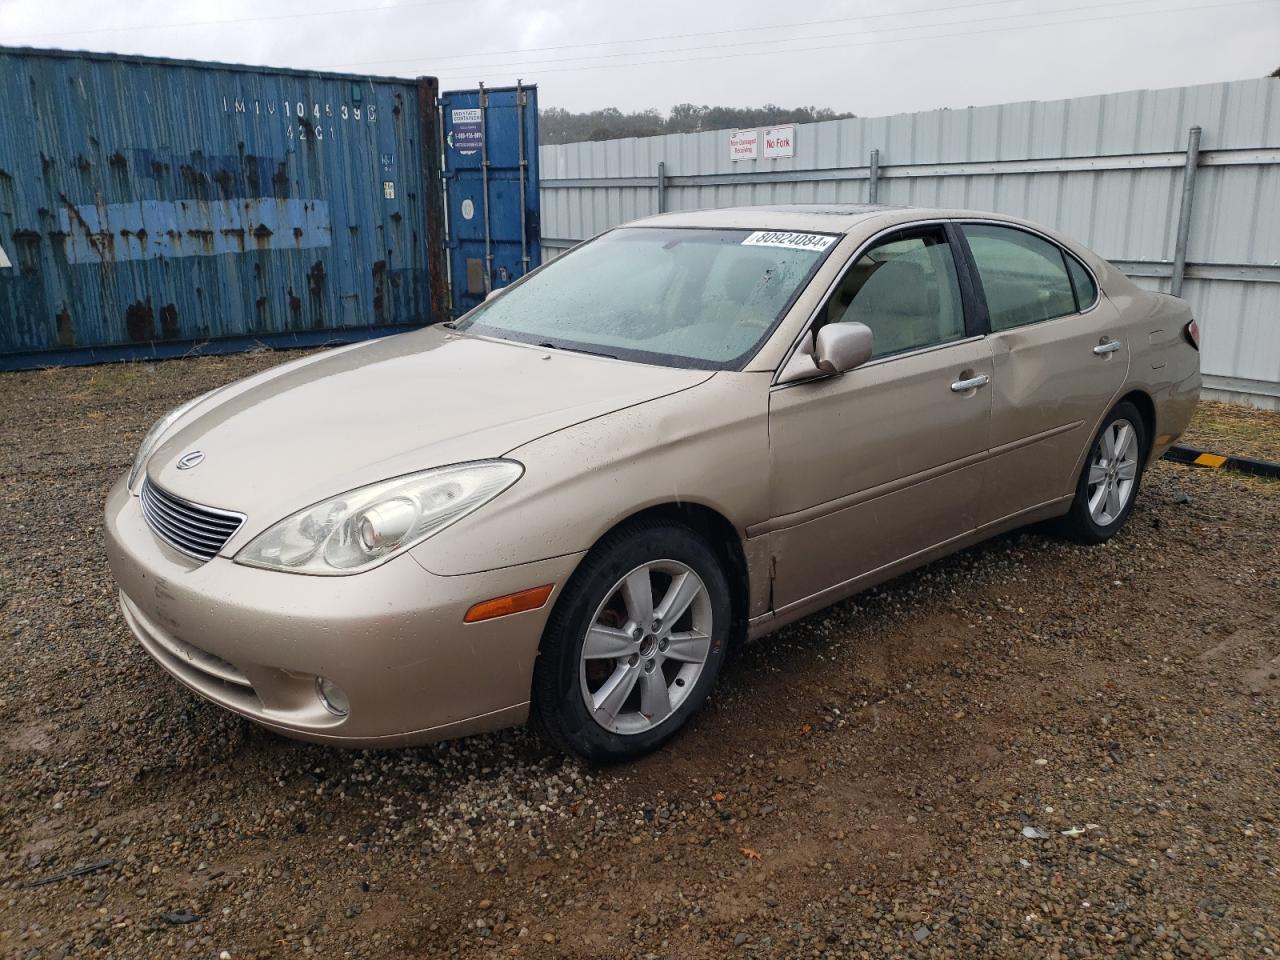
point(675, 296)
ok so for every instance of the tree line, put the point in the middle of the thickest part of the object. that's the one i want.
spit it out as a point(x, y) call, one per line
point(557, 125)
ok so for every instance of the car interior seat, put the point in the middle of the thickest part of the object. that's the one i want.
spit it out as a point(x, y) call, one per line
point(896, 304)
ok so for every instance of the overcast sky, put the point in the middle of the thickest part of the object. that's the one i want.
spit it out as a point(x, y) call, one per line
point(867, 56)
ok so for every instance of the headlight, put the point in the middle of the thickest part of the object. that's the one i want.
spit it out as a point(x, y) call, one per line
point(157, 432)
point(370, 525)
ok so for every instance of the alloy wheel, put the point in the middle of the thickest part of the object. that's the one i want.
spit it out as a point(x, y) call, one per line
point(646, 647)
point(1113, 472)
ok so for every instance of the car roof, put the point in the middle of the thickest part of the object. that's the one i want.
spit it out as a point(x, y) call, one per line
point(820, 217)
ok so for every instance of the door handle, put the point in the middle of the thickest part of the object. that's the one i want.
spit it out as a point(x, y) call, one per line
point(1108, 346)
point(964, 386)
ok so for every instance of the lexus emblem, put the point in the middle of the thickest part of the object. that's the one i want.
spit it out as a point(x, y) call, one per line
point(189, 460)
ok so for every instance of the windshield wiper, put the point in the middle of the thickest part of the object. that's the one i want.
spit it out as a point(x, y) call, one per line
point(594, 353)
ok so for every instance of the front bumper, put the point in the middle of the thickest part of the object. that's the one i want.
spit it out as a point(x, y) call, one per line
point(392, 638)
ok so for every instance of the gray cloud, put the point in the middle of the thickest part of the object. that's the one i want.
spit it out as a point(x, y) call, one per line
point(870, 58)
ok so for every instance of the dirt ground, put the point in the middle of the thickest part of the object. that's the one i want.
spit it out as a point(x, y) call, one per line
point(1031, 749)
point(1235, 430)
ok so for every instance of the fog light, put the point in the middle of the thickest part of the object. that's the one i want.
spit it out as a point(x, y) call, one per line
point(331, 695)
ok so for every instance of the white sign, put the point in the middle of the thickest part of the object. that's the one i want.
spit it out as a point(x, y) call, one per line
point(780, 142)
point(791, 241)
point(4, 260)
point(743, 145)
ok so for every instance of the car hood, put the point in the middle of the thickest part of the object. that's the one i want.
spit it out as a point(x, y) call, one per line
point(323, 425)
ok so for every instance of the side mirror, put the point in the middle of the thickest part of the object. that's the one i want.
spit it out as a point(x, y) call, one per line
point(842, 346)
point(839, 347)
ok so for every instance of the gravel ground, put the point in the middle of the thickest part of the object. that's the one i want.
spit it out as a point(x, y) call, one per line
point(1028, 750)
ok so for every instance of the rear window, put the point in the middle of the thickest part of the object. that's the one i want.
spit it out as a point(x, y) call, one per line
point(1082, 280)
point(1024, 277)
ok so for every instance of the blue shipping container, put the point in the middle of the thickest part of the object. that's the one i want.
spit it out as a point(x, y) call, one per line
point(151, 207)
point(491, 168)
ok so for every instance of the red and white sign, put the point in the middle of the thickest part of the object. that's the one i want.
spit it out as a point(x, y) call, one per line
point(780, 142)
point(744, 145)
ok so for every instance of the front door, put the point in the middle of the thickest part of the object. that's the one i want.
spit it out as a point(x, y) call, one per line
point(885, 461)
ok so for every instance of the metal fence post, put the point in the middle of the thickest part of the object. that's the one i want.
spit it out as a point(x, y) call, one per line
point(1184, 214)
point(662, 186)
point(873, 178)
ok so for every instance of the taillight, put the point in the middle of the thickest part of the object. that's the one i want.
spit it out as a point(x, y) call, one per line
point(1192, 333)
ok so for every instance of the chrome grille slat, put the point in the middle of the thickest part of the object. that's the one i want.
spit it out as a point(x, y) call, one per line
point(178, 508)
point(176, 533)
point(197, 531)
point(199, 549)
point(186, 524)
point(159, 526)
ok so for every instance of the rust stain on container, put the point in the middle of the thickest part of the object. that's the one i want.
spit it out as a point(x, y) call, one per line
point(236, 235)
point(379, 289)
point(204, 238)
point(66, 334)
point(194, 178)
point(27, 249)
point(280, 179)
point(139, 321)
point(169, 321)
point(226, 182)
point(315, 278)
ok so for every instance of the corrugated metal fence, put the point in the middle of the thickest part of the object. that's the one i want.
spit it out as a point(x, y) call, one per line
point(1108, 170)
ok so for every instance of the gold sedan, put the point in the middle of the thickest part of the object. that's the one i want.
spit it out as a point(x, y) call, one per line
point(573, 502)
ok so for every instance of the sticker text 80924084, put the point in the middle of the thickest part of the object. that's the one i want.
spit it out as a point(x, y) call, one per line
point(791, 241)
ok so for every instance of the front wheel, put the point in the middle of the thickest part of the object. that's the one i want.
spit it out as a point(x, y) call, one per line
point(1109, 482)
point(634, 644)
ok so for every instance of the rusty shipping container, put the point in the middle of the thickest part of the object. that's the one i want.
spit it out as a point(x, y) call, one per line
point(156, 207)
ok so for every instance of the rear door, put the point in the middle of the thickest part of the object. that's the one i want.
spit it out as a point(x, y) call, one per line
point(885, 461)
point(1059, 358)
point(491, 184)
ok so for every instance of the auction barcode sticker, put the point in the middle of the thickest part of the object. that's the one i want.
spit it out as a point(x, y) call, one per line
point(791, 241)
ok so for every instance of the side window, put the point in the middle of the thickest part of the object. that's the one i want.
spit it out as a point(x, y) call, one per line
point(906, 290)
point(1023, 276)
point(1086, 289)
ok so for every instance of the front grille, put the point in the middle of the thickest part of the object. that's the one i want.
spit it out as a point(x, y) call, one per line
point(189, 528)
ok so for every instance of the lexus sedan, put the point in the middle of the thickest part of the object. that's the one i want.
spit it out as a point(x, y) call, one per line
point(570, 505)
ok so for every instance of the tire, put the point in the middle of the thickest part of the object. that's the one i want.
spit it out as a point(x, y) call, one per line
point(631, 663)
point(1092, 520)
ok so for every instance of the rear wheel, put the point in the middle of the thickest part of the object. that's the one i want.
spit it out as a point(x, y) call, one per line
point(634, 644)
point(1109, 482)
